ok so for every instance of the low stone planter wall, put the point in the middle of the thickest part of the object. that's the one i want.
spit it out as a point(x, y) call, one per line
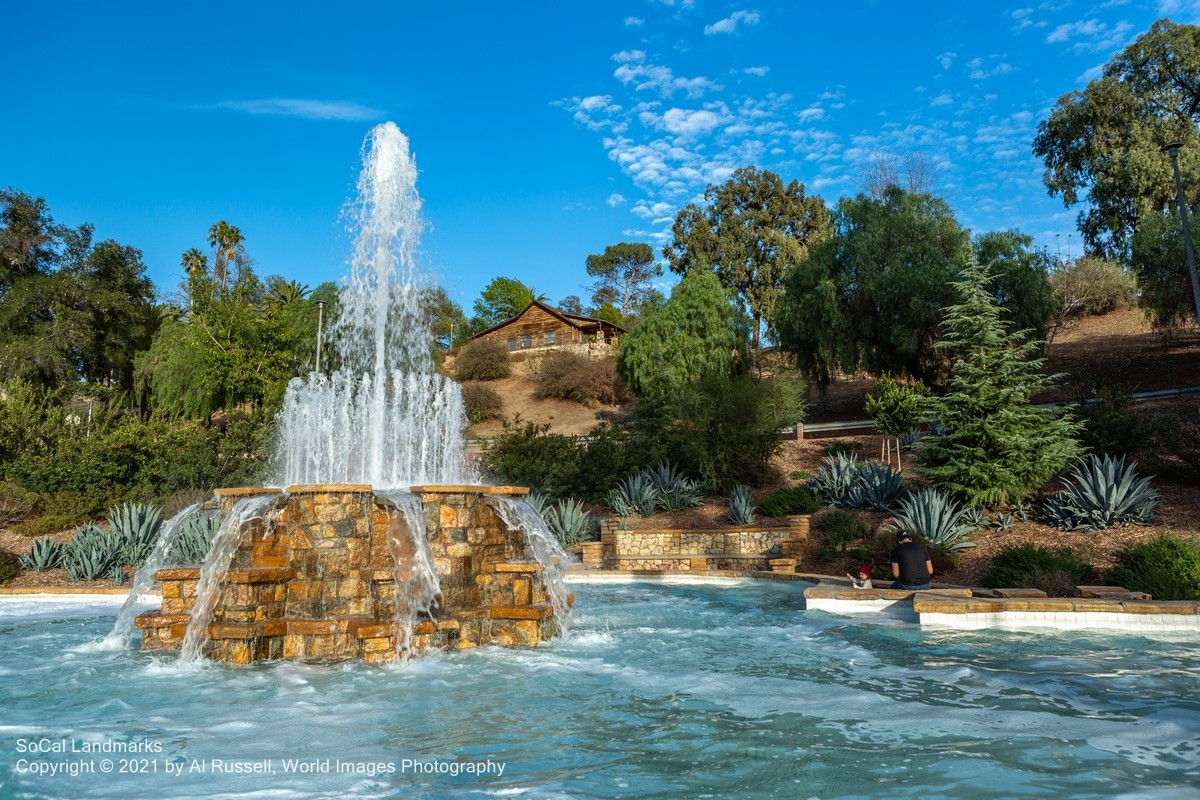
point(693, 550)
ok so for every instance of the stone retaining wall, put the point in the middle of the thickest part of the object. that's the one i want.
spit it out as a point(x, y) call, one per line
point(692, 550)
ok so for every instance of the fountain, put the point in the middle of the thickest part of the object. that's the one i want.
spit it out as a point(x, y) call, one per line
point(383, 544)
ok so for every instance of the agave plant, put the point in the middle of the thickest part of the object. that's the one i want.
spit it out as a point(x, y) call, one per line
point(634, 495)
point(43, 555)
point(675, 489)
point(835, 478)
point(975, 517)
point(1003, 522)
point(877, 487)
point(540, 504)
point(93, 554)
point(193, 541)
point(936, 518)
point(741, 506)
point(570, 522)
point(137, 524)
point(910, 439)
point(1102, 493)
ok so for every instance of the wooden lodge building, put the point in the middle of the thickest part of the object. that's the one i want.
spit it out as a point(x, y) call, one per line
point(540, 326)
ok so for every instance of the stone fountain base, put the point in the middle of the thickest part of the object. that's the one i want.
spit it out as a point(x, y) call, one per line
point(315, 578)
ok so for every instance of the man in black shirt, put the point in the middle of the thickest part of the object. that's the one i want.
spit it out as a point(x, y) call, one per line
point(911, 566)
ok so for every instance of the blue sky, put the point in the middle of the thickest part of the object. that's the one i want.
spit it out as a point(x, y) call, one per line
point(544, 131)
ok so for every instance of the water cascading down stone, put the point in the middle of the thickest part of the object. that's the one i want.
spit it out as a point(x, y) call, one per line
point(383, 543)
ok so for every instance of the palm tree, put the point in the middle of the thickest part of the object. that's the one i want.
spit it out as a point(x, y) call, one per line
point(284, 292)
point(226, 241)
point(194, 261)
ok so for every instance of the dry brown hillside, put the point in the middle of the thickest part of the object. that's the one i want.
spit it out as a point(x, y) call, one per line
point(1115, 349)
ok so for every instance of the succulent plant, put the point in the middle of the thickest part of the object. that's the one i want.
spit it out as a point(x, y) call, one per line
point(741, 506)
point(193, 541)
point(877, 487)
point(835, 478)
point(137, 525)
point(974, 517)
point(675, 489)
point(570, 522)
point(936, 518)
point(634, 495)
point(1102, 493)
point(43, 555)
point(909, 440)
point(92, 555)
point(1003, 522)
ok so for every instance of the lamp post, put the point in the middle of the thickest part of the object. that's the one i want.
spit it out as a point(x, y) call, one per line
point(1172, 149)
point(320, 319)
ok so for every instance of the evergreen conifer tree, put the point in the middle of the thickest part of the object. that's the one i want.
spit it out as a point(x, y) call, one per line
point(994, 447)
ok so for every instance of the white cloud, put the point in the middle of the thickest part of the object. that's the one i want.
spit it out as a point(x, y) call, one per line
point(1091, 35)
point(731, 23)
point(943, 99)
point(615, 199)
point(811, 113)
point(655, 78)
point(946, 59)
point(759, 71)
point(979, 72)
point(306, 109)
point(634, 22)
point(1021, 16)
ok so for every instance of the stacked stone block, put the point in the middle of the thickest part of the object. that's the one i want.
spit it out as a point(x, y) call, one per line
point(317, 579)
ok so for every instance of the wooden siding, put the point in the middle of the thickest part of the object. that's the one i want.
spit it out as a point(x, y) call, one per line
point(531, 327)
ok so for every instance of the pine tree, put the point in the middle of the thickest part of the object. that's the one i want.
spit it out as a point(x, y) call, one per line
point(994, 447)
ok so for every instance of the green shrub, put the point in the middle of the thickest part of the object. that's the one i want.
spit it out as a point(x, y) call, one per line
point(838, 529)
point(1056, 571)
point(16, 503)
point(1174, 449)
point(1167, 567)
point(8, 568)
point(481, 402)
point(796, 500)
point(483, 360)
point(1111, 426)
point(571, 376)
point(558, 466)
point(723, 429)
point(842, 447)
point(43, 525)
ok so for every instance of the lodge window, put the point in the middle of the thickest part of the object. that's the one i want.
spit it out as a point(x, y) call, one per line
point(548, 338)
point(527, 340)
point(512, 344)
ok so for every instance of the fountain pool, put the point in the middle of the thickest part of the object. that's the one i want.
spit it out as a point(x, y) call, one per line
point(719, 690)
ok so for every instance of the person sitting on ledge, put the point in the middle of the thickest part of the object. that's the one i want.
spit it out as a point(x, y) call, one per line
point(863, 581)
point(911, 566)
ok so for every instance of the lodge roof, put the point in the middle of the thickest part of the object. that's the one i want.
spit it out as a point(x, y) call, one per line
point(577, 321)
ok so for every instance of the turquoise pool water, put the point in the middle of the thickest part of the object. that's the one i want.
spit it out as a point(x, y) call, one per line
point(661, 691)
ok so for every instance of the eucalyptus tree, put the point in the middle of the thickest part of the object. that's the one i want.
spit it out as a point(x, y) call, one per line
point(1103, 145)
point(751, 232)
